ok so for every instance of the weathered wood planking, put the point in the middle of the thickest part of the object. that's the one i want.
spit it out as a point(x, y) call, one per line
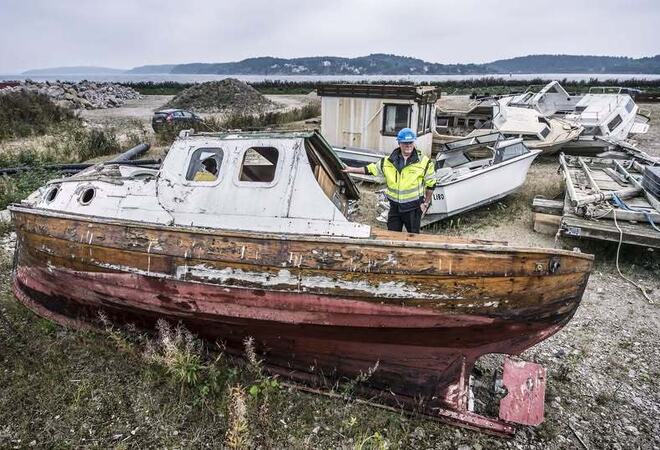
point(423, 308)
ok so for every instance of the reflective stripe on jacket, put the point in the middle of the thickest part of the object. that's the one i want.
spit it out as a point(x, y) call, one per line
point(408, 184)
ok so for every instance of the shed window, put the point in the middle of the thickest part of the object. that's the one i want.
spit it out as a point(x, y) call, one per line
point(395, 117)
point(259, 164)
point(204, 165)
point(420, 119)
point(424, 121)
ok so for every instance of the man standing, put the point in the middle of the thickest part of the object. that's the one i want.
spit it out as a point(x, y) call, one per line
point(410, 182)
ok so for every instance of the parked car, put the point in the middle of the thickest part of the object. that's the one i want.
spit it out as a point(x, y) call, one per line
point(174, 118)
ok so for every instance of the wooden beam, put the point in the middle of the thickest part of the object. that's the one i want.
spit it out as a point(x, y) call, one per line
point(546, 206)
point(616, 176)
point(570, 188)
point(546, 223)
point(587, 172)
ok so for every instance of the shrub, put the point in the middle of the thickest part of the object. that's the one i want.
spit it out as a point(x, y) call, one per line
point(16, 188)
point(24, 113)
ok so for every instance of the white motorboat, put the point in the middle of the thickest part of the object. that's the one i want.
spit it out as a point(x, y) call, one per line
point(608, 115)
point(478, 170)
point(474, 171)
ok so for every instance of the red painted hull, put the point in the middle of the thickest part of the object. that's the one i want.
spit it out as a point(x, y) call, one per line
point(420, 355)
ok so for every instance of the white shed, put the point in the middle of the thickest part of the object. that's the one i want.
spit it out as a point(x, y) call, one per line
point(368, 117)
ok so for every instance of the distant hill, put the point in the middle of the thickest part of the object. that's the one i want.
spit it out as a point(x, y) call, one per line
point(153, 69)
point(384, 64)
point(576, 64)
point(376, 64)
point(75, 70)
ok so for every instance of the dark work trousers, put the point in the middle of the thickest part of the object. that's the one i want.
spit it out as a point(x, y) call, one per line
point(396, 219)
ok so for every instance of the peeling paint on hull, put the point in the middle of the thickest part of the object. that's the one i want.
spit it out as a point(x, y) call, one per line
point(425, 330)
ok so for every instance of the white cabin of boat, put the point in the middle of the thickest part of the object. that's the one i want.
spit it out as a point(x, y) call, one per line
point(286, 182)
point(608, 112)
point(368, 117)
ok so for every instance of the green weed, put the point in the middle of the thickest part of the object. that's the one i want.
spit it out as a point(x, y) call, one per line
point(25, 113)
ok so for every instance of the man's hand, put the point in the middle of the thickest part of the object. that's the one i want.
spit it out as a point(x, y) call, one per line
point(349, 169)
point(425, 207)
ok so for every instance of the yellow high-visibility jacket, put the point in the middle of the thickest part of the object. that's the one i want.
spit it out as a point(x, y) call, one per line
point(409, 184)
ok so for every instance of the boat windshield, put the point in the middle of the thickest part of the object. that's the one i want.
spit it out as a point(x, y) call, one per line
point(510, 152)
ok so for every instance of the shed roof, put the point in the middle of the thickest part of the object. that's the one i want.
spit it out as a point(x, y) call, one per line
point(426, 94)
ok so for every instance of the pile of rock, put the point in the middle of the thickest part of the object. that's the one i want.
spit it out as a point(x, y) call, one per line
point(225, 96)
point(82, 95)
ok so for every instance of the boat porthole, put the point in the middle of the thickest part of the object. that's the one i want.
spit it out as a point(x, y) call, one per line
point(87, 196)
point(52, 193)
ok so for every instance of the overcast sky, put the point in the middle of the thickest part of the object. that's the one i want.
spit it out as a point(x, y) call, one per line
point(127, 33)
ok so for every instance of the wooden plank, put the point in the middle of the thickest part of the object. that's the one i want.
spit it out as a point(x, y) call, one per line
point(570, 188)
point(547, 206)
point(587, 172)
point(616, 176)
point(546, 223)
point(635, 234)
point(417, 256)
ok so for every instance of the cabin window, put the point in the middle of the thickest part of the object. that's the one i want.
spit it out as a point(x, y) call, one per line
point(259, 164)
point(614, 122)
point(630, 105)
point(442, 122)
point(395, 117)
point(545, 132)
point(204, 165)
point(87, 196)
point(592, 131)
point(52, 193)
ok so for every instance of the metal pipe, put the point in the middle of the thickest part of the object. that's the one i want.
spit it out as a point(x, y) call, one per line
point(602, 196)
point(75, 167)
point(132, 153)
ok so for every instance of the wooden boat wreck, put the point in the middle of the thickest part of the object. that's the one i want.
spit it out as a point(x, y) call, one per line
point(245, 234)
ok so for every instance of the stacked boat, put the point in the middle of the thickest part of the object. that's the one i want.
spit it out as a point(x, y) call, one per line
point(607, 115)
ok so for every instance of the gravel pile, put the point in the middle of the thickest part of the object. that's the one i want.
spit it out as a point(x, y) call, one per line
point(226, 96)
point(82, 95)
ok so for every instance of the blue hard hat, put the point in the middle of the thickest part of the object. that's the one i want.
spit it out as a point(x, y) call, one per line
point(406, 135)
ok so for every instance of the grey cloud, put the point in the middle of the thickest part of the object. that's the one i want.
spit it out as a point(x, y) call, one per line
point(123, 33)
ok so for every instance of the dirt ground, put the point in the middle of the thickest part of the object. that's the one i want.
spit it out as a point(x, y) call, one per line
point(141, 110)
point(603, 388)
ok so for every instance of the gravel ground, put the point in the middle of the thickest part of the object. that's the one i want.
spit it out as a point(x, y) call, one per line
point(134, 110)
point(141, 110)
